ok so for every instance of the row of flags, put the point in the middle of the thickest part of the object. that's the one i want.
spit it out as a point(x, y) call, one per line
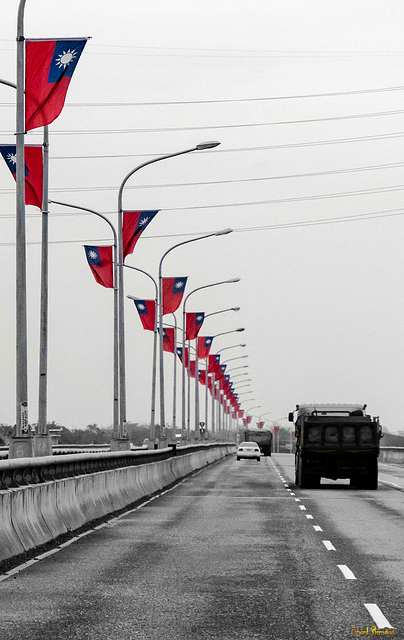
point(49, 67)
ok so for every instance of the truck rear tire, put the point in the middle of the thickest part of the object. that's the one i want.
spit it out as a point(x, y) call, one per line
point(303, 479)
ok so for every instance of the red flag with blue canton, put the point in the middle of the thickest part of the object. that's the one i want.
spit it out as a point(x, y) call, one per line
point(179, 354)
point(168, 340)
point(100, 261)
point(204, 345)
point(194, 322)
point(33, 170)
point(147, 313)
point(133, 225)
point(192, 368)
point(173, 290)
point(202, 376)
point(214, 366)
point(49, 66)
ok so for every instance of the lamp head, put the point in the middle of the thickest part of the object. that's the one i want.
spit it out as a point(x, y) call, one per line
point(223, 232)
point(241, 329)
point(207, 145)
point(235, 309)
point(233, 280)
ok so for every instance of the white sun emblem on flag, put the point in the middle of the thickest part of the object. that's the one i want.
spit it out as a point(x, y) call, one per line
point(143, 222)
point(12, 158)
point(141, 307)
point(199, 318)
point(178, 285)
point(92, 255)
point(65, 58)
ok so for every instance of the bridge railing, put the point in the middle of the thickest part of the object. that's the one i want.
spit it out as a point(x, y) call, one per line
point(23, 471)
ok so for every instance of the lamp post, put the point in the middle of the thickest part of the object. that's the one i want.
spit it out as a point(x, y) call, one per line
point(206, 286)
point(161, 351)
point(42, 444)
point(153, 393)
point(230, 359)
point(223, 333)
point(121, 328)
point(116, 432)
point(244, 366)
point(232, 347)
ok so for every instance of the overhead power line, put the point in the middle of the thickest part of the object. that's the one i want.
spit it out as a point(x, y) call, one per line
point(282, 225)
point(391, 165)
point(247, 125)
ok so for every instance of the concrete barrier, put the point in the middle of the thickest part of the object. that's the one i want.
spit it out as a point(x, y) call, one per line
point(35, 514)
point(392, 454)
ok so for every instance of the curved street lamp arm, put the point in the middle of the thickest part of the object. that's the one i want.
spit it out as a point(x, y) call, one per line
point(128, 266)
point(96, 213)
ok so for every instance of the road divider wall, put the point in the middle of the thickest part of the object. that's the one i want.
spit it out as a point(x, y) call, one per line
point(34, 514)
point(392, 454)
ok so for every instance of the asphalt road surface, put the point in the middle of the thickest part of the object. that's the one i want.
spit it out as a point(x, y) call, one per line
point(234, 552)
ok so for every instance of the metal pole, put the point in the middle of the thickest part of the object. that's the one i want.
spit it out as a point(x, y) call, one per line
point(197, 432)
point(183, 423)
point(189, 392)
point(42, 440)
point(21, 448)
point(154, 365)
point(115, 276)
point(206, 398)
point(175, 378)
point(213, 403)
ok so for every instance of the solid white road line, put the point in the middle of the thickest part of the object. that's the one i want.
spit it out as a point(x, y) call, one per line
point(347, 573)
point(377, 616)
point(328, 545)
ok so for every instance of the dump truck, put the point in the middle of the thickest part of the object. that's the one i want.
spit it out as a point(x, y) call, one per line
point(336, 441)
point(262, 438)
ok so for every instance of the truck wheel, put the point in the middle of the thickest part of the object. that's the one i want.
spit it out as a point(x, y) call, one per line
point(238, 458)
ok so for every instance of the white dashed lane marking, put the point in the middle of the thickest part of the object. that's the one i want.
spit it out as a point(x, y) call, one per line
point(328, 545)
point(316, 527)
point(347, 573)
point(377, 616)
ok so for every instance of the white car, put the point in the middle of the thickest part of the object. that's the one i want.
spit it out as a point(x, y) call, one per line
point(248, 450)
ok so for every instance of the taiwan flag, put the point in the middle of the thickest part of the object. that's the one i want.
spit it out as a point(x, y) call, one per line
point(100, 261)
point(194, 322)
point(173, 290)
point(49, 66)
point(260, 425)
point(168, 340)
point(245, 423)
point(202, 376)
point(204, 345)
point(33, 170)
point(192, 368)
point(179, 354)
point(249, 418)
point(147, 313)
point(133, 225)
point(214, 364)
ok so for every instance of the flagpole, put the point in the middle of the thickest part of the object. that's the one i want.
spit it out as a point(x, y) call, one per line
point(43, 444)
point(122, 373)
point(116, 359)
point(161, 348)
point(197, 430)
point(152, 433)
point(206, 398)
point(175, 379)
point(21, 445)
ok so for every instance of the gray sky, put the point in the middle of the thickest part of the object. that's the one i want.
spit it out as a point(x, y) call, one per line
point(311, 185)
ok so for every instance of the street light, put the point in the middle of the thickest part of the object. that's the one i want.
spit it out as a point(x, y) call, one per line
point(121, 328)
point(231, 281)
point(232, 347)
point(161, 350)
point(116, 422)
point(230, 359)
point(244, 366)
point(153, 394)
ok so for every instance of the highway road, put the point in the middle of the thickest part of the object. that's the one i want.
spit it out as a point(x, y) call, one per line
point(235, 552)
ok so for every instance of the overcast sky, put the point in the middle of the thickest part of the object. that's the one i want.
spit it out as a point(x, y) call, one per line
point(307, 100)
